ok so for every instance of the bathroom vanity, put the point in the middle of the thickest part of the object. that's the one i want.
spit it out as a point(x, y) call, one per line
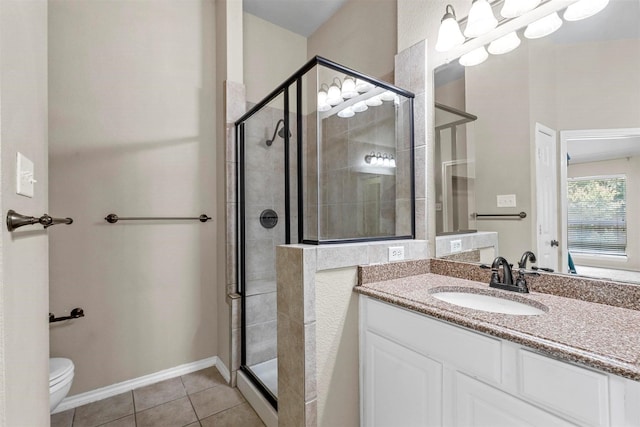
point(428, 362)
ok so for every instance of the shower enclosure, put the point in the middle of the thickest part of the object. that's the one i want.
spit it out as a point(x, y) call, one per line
point(327, 157)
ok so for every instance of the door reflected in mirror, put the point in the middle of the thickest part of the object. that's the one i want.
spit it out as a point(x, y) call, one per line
point(504, 130)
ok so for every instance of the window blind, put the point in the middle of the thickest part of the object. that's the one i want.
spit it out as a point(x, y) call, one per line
point(597, 222)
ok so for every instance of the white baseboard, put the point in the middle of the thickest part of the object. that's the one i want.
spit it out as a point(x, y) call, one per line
point(224, 371)
point(114, 389)
point(257, 401)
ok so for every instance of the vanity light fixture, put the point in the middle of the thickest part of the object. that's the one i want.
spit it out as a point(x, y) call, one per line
point(584, 9)
point(475, 57)
point(504, 44)
point(449, 34)
point(543, 27)
point(515, 8)
point(380, 159)
point(481, 19)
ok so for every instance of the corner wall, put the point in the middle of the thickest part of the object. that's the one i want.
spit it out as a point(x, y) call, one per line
point(132, 119)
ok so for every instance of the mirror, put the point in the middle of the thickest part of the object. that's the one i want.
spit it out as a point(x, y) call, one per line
point(539, 149)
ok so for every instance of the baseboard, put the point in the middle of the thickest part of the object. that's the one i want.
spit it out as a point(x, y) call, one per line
point(257, 401)
point(224, 371)
point(115, 389)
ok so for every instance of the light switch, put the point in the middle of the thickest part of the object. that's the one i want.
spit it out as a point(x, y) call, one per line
point(24, 176)
point(506, 201)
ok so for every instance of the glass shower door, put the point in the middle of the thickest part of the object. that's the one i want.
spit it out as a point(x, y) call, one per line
point(263, 138)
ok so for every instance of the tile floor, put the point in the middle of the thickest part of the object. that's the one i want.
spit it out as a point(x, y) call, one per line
point(199, 399)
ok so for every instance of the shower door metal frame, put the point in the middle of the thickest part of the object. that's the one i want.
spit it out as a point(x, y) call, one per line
point(283, 89)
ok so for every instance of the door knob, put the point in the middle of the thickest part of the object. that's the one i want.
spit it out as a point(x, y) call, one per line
point(554, 243)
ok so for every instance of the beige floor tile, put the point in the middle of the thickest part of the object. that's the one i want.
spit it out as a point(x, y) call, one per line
point(177, 413)
point(241, 415)
point(104, 411)
point(215, 399)
point(128, 421)
point(196, 424)
point(62, 419)
point(157, 394)
point(203, 379)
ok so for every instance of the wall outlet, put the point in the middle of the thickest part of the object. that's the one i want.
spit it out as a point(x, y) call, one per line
point(506, 200)
point(456, 246)
point(396, 253)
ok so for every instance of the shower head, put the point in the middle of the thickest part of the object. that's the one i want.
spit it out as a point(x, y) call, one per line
point(280, 133)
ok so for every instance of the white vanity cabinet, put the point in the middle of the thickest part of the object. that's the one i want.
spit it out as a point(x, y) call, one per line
point(419, 371)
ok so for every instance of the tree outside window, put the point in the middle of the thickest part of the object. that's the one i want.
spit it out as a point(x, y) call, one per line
point(597, 215)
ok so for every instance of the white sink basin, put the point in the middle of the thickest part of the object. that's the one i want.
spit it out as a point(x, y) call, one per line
point(490, 303)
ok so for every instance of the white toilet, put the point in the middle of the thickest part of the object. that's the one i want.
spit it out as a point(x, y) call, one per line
point(60, 378)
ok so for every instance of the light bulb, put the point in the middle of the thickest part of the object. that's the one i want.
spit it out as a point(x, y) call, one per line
point(387, 96)
point(475, 57)
point(346, 113)
point(349, 88)
point(480, 20)
point(504, 44)
point(374, 101)
point(371, 158)
point(380, 159)
point(363, 86)
point(584, 9)
point(543, 27)
point(334, 96)
point(392, 162)
point(360, 106)
point(515, 8)
point(385, 160)
point(449, 34)
point(322, 101)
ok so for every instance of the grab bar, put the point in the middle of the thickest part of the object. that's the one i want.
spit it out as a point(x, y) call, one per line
point(16, 220)
point(113, 218)
point(75, 313)
point(520, 215)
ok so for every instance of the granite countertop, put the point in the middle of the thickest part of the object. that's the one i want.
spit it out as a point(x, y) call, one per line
point(591, 334)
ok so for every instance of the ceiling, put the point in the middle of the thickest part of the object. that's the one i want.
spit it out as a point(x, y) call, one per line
point(299, 16)
point(598, 149)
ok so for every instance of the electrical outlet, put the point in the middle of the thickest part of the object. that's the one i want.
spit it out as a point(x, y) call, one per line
point(396, 253)
point(506, 200)
point(456, 246)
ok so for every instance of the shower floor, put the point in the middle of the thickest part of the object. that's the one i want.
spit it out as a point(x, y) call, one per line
point(268, 374)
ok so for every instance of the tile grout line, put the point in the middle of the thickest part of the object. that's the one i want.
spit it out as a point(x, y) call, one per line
point(190, 402)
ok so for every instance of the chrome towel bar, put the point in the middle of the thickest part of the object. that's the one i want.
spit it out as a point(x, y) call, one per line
point(113, 218)
point(16, 220)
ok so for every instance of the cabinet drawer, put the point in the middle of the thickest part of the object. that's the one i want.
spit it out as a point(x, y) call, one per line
point(477, 355)
point(576, 392)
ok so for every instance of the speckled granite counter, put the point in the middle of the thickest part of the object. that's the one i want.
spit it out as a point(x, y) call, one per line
point(596, 335)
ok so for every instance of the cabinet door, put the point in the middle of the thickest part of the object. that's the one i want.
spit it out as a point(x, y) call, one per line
point(399, 386)
point(478, 404)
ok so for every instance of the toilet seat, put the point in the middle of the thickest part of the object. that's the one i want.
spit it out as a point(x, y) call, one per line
point(60, 369)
